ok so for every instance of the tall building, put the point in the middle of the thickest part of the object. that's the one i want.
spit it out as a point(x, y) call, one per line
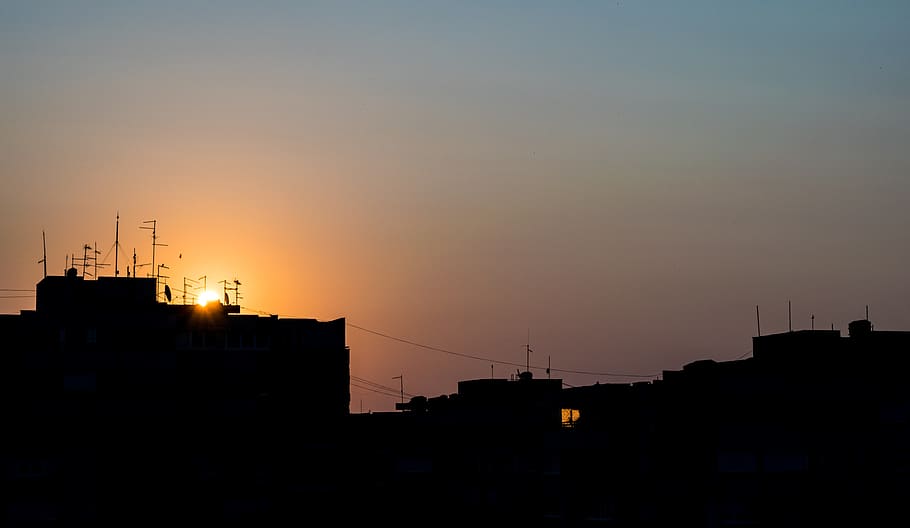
point(125, 409)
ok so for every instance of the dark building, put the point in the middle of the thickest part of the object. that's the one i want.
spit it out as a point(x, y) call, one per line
point(121, 409)
point(813, 429)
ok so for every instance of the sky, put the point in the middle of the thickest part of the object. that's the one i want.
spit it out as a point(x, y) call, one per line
point(616, 184)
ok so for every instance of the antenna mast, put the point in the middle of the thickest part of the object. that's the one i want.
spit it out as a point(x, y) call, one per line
point(155, 243)
point(158, 276)
point(528, 353)
point(757, 320)
point(44, 259)
point(401, 383)
point(195, 285)
point(789, 317)
point(117, 247)
point(236, 289)
point(85, 249)
point(95, 260)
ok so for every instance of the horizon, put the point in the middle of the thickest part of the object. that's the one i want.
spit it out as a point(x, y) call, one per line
point(616, 186)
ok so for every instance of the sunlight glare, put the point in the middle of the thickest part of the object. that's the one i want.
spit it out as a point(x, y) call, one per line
point(207, 296)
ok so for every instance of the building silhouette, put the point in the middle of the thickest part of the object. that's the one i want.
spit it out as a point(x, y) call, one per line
point(124, 410)
point(813, 429)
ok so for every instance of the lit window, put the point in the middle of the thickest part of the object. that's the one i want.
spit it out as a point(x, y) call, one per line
point(570, 417)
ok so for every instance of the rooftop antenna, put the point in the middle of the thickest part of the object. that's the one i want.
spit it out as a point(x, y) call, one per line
point(184, 289)
point(757, 320)
point(137, 265)
point(528, 352)
point(812, 318)
point(158, 275)
point(155, 243)
point(401, 383)
point(236, 289)
point(224, 289)
point(95, 259)
point(548, 367)
point(85, 249)
point(867, 312)
point(117, 247)
point(789, 317)
point(44, 259)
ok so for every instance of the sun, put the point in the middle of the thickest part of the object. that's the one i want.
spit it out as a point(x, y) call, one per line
point(207, 296)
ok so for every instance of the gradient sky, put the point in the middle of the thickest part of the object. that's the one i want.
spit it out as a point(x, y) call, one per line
point(624, 181)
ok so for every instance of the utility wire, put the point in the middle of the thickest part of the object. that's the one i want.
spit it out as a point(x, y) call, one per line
point(383, 393)
point(380, 386)
point(489, 360)
point(744, 355)
point(477, 358)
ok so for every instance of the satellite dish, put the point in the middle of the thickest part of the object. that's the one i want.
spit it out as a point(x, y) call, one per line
point(167, 292)
point(226, 300)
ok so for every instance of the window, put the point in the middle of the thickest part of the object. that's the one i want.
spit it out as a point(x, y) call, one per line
point(570, 417)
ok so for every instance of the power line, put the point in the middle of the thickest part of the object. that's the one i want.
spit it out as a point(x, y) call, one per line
point(16, 290)
point(380, 386)
point(486, 359)
point(744, 355)
point(395, 393)
point(377, 391)
point(478, 358)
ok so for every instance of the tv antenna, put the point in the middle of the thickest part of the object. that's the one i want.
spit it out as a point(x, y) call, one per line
point(137, 265)
point(158, 276)
point(204, 287)
point(44, 258)
point(401, 384)
point(95, 259)
point(789, 317)
point(195, 285)
point(528, 352)
point(155, 243)
point(117, 247)
point(235, 289)
point(85, 258)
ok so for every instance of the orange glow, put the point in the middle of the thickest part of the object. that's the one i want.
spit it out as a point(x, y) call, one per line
point(569, 417)
point(207, 296)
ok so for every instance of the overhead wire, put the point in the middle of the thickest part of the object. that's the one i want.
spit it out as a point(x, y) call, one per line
point(496, 361)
